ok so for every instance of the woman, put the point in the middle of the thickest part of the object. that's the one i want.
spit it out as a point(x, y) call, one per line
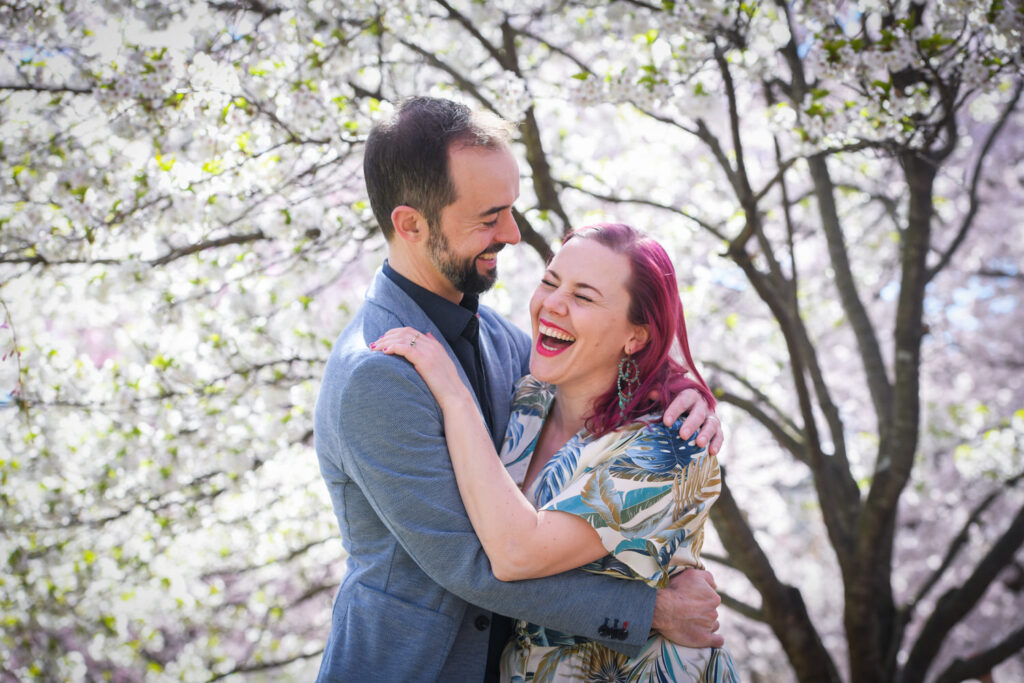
point(588, 476)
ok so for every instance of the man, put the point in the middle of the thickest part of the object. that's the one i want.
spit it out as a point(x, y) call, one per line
point(418, 601)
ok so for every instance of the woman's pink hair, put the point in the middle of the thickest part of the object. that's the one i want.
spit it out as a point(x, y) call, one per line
point(654, 303)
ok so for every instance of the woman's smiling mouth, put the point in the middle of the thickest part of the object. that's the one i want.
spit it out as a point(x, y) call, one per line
point(552, 340)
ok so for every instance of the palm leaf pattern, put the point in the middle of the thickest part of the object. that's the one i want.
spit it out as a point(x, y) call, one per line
point(647, 493)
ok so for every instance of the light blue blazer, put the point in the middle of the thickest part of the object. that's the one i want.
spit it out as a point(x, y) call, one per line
point(416, 600)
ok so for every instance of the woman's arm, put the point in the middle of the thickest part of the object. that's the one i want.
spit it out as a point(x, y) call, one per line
point(520, 542)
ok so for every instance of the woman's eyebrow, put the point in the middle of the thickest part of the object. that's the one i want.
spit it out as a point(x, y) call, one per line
point(579, 285)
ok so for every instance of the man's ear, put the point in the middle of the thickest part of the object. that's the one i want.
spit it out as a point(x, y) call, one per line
point(641, 335)
point(409, 223)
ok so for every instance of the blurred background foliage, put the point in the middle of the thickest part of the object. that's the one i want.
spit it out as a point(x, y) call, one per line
point(184, 231)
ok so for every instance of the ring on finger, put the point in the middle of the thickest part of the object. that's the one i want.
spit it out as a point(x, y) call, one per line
point(412, 343)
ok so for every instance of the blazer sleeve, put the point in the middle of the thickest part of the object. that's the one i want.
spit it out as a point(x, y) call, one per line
point(391, 441)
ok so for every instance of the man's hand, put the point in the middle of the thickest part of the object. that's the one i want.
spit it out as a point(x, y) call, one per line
point(700, 415)
point(686, 612)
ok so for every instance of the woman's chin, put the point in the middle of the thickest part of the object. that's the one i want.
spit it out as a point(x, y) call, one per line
point(540, 372)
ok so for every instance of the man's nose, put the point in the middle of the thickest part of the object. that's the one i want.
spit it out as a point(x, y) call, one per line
point(508, 229)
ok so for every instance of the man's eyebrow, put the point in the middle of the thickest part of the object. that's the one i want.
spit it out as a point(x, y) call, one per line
point(494, 209)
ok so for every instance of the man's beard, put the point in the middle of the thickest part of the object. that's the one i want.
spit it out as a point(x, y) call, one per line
point(461, 273)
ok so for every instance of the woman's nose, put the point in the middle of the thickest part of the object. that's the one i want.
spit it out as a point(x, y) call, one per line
point(555, 302)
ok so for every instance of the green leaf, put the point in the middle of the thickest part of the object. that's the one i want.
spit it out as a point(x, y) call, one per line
point(165, 163)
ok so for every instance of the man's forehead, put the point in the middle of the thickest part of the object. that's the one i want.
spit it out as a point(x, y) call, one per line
point(486, 176)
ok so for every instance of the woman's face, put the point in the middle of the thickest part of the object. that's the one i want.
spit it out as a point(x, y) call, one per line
point(579, 314)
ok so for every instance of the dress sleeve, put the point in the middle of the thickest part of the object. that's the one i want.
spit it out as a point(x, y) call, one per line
point(647, 493)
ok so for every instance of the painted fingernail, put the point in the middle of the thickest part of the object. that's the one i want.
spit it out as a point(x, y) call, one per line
point(373, 345)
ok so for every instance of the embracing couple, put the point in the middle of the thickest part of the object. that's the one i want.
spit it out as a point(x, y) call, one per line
point(522, 508)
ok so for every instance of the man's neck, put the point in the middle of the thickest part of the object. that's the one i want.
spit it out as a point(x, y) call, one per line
point(423, 274)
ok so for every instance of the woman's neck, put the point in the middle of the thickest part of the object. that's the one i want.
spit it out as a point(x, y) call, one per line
point(569, 412)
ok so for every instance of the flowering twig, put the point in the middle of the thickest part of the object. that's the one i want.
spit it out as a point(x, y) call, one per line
point(13, 396)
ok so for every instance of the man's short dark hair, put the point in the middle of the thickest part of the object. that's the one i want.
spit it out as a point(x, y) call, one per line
point(406, 158)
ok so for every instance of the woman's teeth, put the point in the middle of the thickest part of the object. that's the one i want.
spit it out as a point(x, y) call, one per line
point(556, 333)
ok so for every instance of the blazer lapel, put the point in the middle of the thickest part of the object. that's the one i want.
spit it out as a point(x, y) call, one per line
point(499, 383)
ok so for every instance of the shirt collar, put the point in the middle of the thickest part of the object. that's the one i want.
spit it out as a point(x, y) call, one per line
point(451, 319)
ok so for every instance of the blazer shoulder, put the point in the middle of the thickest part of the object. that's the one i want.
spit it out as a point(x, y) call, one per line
point(505, 330)
point(495, 319)
point(378, 374)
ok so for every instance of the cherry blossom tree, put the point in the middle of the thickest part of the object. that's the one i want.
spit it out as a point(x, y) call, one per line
point(183, 232)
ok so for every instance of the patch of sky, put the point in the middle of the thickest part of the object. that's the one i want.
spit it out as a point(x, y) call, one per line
point(1005, 265)
point(729, 278)
point(962, 318)
point(849, 21)
point(974, 291)
point(1004, 304)
point(890, 291)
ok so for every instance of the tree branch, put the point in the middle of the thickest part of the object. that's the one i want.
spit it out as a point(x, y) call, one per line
point(763, 398)
point(175, 254)
point(976, 666)
point(77, 90)
point(995, 272)
point(714, 230)
point(792, 443)
point(531, 236)
point(464, 83)
point(958, 543)
point(472, 29)
point(265, 665)
point(972, 211)
point(740, 607)
point(957, 602)
point(544, 185)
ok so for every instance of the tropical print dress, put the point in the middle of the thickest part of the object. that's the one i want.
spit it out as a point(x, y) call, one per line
point(648, 494)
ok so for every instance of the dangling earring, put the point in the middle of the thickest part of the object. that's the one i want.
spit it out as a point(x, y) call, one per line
point(628, 380)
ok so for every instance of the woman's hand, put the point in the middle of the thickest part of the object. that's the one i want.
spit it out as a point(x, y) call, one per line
point(429, 358)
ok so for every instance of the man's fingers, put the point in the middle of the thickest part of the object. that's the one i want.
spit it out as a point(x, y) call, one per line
point(708, 430)
point(710, 578)
point(716, 640)
point(716, 443)
point(686, 400)
point(692, 422)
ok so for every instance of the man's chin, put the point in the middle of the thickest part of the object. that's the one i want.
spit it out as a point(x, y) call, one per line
point(480, 283)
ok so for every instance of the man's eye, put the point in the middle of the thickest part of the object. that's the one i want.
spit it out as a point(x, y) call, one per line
point(491, 224)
